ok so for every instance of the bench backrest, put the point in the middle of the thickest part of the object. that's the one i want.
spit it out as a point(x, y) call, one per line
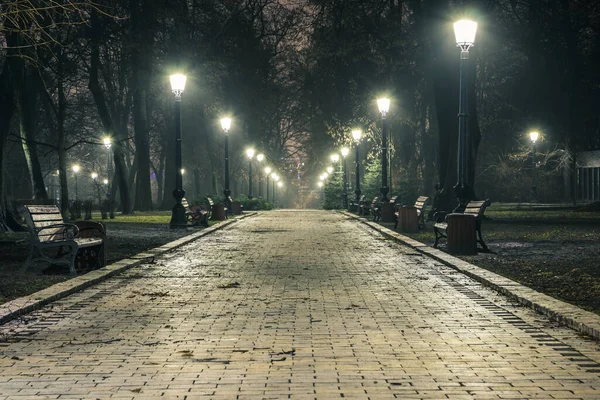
point(210, 202)
point(38, 217)
point(361, 199)
point(393, 200)
point(420, 203)
point(375, 201)
point(185, 203)
point(476, 208)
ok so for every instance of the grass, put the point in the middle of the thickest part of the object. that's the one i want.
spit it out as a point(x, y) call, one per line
point(127, 235)
point(552, 251)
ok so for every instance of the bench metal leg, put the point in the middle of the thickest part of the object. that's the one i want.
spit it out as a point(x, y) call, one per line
point(481, 242)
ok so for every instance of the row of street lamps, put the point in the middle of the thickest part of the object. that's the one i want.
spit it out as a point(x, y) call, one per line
point(465, 31)
point(178, 219)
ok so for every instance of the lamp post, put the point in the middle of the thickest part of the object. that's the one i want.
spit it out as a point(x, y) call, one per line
point(107, 143)
point(279, 184)
point(267, 173)
point(275, 179)
point(250, 154)
point(226, 125)
point(260, 157)
point(320, 184)
point(178, 219)
point(464, 31)
point(95, 179)
point(384, 106)
point(345, 151)
point(534, 135)
point(356, 135)
point(75, 172)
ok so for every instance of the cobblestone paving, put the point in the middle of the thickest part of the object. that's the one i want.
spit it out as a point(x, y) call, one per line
point(306, 305)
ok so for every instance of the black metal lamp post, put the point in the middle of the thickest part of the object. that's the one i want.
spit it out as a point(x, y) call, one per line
point(464, 30)
point(534, 137)
point(279, 183)
point(178, 219)
point(335, 159)
point(345, 151)
point(226, 125)
point(267, 173)
point(75, 172)
point(356, 135)
point(250, 154)
point(321, 189)
point(384, 106)
point(275, 178)
point(260, 159)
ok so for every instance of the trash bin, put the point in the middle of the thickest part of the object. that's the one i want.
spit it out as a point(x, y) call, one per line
point(461, 234)
point(387, 212)
point(236, 208)
point(408, 220)
point(218, 212)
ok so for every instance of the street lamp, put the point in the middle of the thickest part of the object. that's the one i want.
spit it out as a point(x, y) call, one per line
point(384, 106)
point(464, 30)
point(320, 184)
point(95, 178)
point(260, 159)
point(226, 125)
point(345, 151)
point(330, 170)
point(75, 171)
point(250, 154)
point(534, 135)
point(107, 143)
point(279, 183)
point(275, 178)
point(267, 173)
point(178, 219)
point(357, 135)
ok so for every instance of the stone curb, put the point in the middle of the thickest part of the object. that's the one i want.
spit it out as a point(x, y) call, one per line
point(574, 317)
point(24, 305)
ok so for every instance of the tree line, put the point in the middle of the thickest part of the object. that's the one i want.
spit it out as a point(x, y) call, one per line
point(296, 76)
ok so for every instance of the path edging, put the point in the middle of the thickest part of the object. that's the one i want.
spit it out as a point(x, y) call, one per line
point(567, 314)
point(26, 304)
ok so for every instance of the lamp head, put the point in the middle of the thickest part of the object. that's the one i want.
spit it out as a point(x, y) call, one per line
point(268, 170)
point(94, 176)
point(226, 124)
point(279, 184)
point(250, 153)
point(534, 135)
point(384, 105)
point(335, 157)
point(260, 157)
point(345, 151)
point(322, 177)
point(356, 135)
point(182, 171)
point(274, 176)
point(464, 31)
point(320, 184)
point(330, 169)
point(75, 168)
point(107, 142)
point(178, 84)
point(106, 181)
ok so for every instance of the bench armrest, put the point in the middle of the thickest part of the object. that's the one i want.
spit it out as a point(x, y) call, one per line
point(91, 229)
point(440, 216)
point(69, 231)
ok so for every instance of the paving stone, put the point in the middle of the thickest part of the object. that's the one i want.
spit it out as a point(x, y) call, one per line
point(293, 304)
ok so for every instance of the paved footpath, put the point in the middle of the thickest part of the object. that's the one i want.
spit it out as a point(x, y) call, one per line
point(307, 305)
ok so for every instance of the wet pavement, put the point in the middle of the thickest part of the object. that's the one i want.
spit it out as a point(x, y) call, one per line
point(293, 304)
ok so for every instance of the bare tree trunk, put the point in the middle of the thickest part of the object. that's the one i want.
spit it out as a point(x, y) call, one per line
point(105, 117)
point(6, 112)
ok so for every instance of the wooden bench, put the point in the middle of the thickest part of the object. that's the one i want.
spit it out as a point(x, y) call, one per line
point(48, 230)
point(196, 215)
point(376, 209)
point(475, 208)
point(360, 205)
point(420, 206)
